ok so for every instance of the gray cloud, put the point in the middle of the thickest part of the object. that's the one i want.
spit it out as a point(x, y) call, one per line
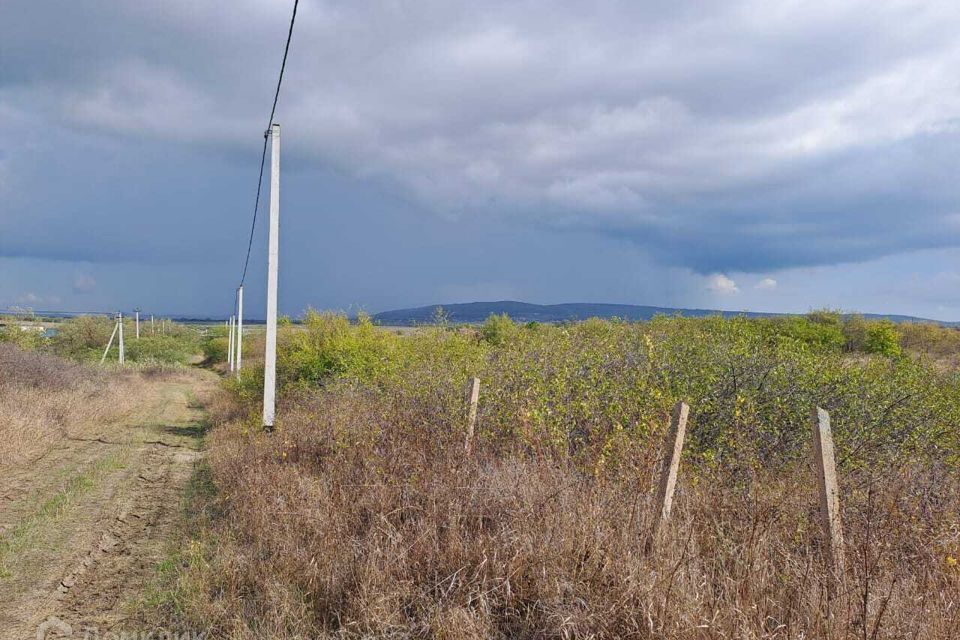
point(743, 136)
point(84, 283)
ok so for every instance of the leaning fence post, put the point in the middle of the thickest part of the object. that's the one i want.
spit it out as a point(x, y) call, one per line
point(109, 342)
point(673, 447)
point(473, 398)
point(829, 494)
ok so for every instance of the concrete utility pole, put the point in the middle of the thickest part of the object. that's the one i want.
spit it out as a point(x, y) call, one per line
point(153, 329)
point(239, 357)
point(230, 347)
point(273, 256)
point(120, 322)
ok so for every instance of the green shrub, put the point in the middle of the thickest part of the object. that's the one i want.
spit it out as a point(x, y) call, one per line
point(498, 329)
point(329, 347)
point(83, 338)
point(818, 329)
point(215, 344)
point(166, 349)
point(28, 340)
point(854, 332)
point(882, 338)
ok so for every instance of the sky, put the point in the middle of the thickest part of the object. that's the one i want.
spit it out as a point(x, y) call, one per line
point(765, 155)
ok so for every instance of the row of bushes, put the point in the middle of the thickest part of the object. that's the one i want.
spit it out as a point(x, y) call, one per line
point(751, 382)
point(84, 338)
point(829, 330)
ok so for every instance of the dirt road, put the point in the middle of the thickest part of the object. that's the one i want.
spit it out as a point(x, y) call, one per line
point(84, 527)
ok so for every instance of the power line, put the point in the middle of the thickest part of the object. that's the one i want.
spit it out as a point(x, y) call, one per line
point(256, 206)
point(263, 153)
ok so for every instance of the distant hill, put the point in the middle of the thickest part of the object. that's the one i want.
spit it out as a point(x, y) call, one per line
point(475, 312)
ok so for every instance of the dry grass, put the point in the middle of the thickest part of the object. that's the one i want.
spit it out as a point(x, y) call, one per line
point(44, 399)
point(364, 518)
point(940, 345)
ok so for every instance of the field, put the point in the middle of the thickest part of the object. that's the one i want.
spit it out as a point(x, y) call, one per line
point(364, 515)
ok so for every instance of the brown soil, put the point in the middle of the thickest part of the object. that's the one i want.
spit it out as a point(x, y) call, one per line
point(90, 519)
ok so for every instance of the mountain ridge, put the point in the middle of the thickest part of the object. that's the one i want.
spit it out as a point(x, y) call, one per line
point(475, 312)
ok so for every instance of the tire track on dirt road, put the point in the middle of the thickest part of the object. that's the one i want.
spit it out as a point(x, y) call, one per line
point(117, 499)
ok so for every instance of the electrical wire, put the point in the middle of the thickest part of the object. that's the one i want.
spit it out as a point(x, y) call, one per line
point(263, 153)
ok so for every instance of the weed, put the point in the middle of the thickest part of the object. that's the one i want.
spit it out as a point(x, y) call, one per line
point(24, 533)
point(361, 516)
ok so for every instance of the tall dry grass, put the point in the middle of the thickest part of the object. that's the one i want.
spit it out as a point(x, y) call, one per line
point(364, 518)
point(44, 399)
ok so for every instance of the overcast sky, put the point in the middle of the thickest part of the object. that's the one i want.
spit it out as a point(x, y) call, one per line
point(764, 155)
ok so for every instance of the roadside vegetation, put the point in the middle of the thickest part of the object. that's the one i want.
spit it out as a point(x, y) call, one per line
point(83, 340)
point(362, 515)
point(45, 399)
point(50, 388)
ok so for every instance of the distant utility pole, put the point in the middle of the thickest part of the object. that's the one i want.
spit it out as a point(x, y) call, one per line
point(137, 311)
point(230, 346)
point(273, 257)
point(238, 359)
point(153, 329)
point(120, 323)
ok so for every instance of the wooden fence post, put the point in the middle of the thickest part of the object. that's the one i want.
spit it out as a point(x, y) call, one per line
point(673, 447)
point(473, 399)
point(829, 494)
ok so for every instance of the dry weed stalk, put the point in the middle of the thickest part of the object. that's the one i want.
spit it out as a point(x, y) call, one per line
point(364, 518)
point(44, 399)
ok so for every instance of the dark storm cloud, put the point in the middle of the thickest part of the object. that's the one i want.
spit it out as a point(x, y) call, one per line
point(843, 208)
point(745, 136)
